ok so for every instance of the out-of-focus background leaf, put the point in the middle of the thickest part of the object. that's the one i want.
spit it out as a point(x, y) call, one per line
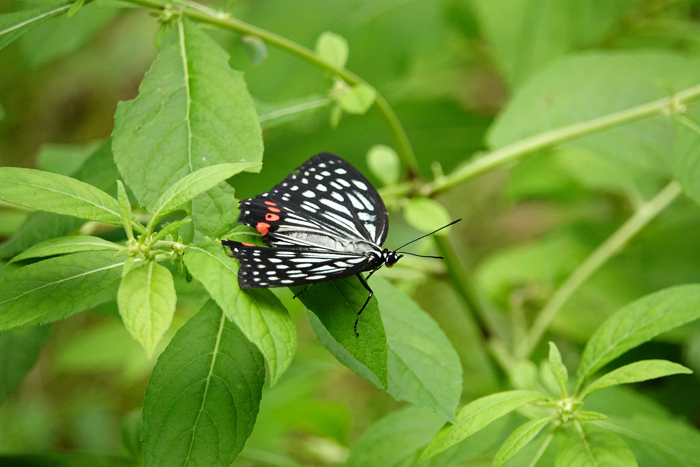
point(464, 76)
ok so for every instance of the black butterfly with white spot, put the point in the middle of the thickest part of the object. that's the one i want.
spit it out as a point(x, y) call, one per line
point(324, 221)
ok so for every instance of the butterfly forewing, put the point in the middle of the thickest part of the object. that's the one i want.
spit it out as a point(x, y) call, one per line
point(282, 267)
point(325, 203)
point(324, 221)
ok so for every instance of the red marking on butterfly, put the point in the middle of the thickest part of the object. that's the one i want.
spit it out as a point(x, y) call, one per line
point(271, 217)
point(273, 210)
point(262, 227)
point(270, 203)
point(247, 244)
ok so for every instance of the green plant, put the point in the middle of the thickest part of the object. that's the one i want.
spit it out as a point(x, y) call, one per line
point(194, 125)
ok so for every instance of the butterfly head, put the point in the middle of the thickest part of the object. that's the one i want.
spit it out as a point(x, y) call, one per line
point(390, 257)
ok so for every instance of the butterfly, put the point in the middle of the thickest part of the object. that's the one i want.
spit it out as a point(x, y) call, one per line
point(324, 221)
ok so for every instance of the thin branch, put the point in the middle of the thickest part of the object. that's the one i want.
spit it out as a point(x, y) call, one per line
point(462, 284)
point(226, 21)
point(672, 105)
point(600, 256)
point(542, 449)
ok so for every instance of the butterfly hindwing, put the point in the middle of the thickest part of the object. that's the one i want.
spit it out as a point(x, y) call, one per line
point(283, 267)
point(324, 203)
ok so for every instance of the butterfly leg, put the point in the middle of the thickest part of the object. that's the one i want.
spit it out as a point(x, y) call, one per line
point(301, 291)
point(371, 293)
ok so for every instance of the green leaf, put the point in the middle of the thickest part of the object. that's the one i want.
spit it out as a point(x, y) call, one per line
point(11, 220)
point(125, 209)
point(18, 353)
point(335, 116)
point(44, 191)
point(214, 212)
point(395, 438)
point(64, 35)
point(545, 262)
point(255, 48)
point(589, 416)
point(686, 160)
point(146, 301)
point(358, 99)
point(13, 25)
point(192, 185)
point(57, 288)
point(39, 227)
point(597, 84)
point(130, 431)
point(336, 304)
point(476, 415)
point(98, 170)
point(599, 448)
point(170, 228)
point(384, 164)
point(288, 111)
point(192, 111)
point(422, 366)
point(558, 368)
point(333, 49)
point(525, 35)
point(77, 5)
point(636, 323)
point(64, 159)
point(636, 372)
point(63, 245)
point(517, 440)
point(658, 441)
point(426, 215)
point(203, 397)
point(257, 312)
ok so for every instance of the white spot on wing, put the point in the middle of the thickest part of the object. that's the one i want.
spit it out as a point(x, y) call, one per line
point(309, 194)
point(317, 277)
point(365, 201)
point(320, 187)
point(360, 185)
point(338, 196)
point(341, 171)
point(355, 202)
point(336, 206)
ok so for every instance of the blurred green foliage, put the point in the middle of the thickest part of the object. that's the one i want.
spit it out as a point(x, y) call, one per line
point(464, 77)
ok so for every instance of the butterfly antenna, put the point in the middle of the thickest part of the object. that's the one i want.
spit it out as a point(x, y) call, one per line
point(421, 256)
point(426, 235)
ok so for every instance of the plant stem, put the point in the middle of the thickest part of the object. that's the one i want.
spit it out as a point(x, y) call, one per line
point(226, 21)
point(595, 260)
point(667, 106)
point(461, 283)
point(542, 449)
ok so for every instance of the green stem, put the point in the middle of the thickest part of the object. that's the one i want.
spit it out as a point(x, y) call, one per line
point(226, 21)
point(600, 256)
point(667, 106)
point(461, 283)
point(542, 449)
